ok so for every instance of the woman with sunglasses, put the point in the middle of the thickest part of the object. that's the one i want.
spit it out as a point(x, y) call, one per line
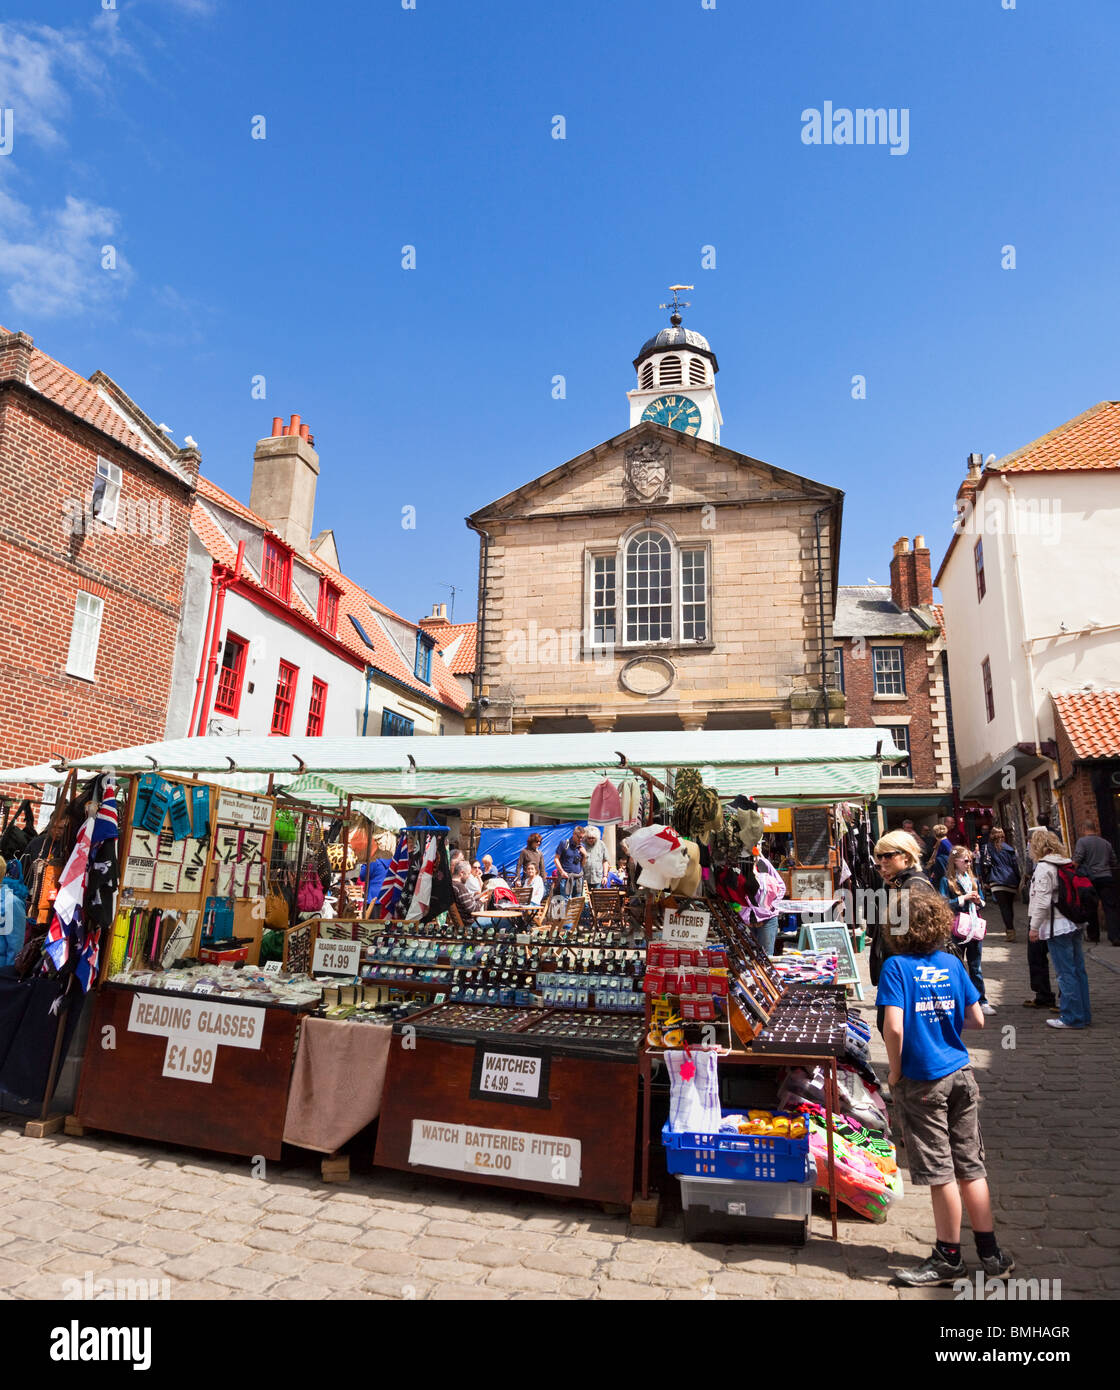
point(898, 857)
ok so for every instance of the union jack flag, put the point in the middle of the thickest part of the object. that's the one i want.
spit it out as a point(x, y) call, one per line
point(394, 879)
point(89, 960)
point(105, 825)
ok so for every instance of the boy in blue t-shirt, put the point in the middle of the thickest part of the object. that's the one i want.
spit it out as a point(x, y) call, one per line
point(927, 1001)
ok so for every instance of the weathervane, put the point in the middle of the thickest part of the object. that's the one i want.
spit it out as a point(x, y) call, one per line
point(677, 304)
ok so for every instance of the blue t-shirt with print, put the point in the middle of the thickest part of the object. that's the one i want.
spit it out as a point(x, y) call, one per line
point(933, 993)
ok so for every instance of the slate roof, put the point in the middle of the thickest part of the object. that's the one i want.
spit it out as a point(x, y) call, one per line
point(867, 610)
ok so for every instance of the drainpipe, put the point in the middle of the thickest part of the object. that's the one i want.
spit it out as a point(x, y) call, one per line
point(820, 615)
point(365, 712)
point(1028, 650)
point(224, 580)
point(483, 596)
point(215, 570)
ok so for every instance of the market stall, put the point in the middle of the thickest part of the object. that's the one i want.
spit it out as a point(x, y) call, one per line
point(523, 1067)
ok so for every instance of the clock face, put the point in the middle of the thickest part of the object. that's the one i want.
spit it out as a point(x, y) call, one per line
point(678, 412)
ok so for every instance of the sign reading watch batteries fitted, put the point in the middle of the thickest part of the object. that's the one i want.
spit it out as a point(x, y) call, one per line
point(518, 1076)
point(194, 1031)
point(509, 1153)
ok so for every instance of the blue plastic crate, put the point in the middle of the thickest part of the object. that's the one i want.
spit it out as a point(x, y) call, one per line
point(754, 1158)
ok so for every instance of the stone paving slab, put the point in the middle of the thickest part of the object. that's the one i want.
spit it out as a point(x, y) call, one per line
point(102, 1207)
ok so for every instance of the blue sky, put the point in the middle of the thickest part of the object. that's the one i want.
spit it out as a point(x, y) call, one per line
point(536, 257)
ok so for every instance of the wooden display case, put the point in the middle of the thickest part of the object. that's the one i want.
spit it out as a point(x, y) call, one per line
point(132, 1083)
point(569, 1129)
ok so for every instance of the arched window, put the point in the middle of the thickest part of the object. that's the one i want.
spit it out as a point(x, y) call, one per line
point(649, 588)
point(697, 372)
point(646, 383)
point(671, 372)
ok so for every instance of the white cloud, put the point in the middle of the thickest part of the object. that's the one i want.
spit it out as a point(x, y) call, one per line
point(51, 263)
point(38, 68)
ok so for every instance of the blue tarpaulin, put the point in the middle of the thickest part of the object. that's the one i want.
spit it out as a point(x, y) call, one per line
point(504, 846)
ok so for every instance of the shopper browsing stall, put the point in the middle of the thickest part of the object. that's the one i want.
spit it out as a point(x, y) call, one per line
point(1053, 910)
point(569, 864)
point(13, 919)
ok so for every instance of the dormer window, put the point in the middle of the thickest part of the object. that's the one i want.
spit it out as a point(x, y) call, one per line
point(645, 382)
point(276, 570)
point(422, 668)
point(697, 372)
point(671, 373)
point(328, 607)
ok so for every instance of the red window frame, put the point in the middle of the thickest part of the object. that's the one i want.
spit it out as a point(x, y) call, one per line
point(287, 678)
point(317, 709)
point(989, 693)
point(328, 606)
point(276, 570)
point(231, 675)
point(978, 561)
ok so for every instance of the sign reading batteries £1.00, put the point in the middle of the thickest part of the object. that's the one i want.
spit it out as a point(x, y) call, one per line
point(685, 928)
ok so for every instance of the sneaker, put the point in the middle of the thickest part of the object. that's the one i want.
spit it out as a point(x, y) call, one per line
point(1057, 1023)
point(999, 1266)
point(935, 1271)
point(986, 1008)
point(1009, 936)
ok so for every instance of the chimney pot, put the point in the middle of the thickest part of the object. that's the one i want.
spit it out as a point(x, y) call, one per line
point(277, 425)
point(294, 429)
point(919, 542)
point(305, 431)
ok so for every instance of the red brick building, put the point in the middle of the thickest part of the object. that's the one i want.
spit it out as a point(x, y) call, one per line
point(1087, 728)
point(890, 664)
point(93, 543)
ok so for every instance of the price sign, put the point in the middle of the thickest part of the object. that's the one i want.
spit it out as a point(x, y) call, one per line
point(685, 928)
point(518, 1076)
point(204, 987)
point(189, 1061)
point(272, 967)
point(336, 957)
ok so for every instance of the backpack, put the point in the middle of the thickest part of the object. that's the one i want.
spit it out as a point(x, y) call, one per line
point(1076, 897)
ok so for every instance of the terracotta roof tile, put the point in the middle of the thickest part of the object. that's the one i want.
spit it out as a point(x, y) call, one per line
point(464, 638)
point(1091, 718)
point(353, 601)
point(65, 388)
point(1090, 440)
point(938, 611)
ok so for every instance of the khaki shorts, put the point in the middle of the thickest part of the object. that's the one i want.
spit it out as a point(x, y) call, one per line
point(941, 1124)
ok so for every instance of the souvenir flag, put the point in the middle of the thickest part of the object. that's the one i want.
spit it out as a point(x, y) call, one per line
point(423, 894)
point(105, 822)
point(57, 944)
point(89, 960)
point(394, 879)
point(72, 883)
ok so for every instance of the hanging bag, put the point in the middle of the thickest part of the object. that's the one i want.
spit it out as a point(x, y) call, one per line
point(311, 896)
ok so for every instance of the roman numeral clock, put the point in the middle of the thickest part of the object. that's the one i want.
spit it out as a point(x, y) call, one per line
point(678, 412)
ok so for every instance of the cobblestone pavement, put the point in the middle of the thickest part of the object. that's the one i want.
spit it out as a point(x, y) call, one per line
point(115, 1209)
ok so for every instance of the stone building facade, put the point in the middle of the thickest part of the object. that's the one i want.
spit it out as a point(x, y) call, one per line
point(660, 580)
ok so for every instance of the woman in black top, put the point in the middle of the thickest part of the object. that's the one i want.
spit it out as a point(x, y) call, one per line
point(531, 854)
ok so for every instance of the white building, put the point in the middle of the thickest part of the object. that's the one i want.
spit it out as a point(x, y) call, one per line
point(276, 639)
point(1031, 591)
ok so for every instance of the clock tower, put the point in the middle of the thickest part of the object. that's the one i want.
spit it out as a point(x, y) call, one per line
point(677, 379)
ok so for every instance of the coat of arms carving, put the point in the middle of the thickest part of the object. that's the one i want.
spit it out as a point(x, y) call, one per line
point(648, 474)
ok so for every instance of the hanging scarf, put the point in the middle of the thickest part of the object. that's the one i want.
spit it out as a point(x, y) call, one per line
point(441, 893)
point(418, 907)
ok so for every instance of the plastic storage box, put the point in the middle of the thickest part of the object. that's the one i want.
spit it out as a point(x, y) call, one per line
point(738, 1156)
point(723, 1211)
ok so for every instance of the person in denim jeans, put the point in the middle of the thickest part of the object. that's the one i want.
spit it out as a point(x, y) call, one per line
point(1062, 935)
point(960, 887)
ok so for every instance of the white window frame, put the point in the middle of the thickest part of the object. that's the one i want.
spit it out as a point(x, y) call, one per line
point(901, 671)
point(85, 636)
point(889, 772)
point(109, 510)
point(676, 547)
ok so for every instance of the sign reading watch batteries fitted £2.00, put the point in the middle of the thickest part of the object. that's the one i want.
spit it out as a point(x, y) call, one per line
point(500, 1153)
point(195, 1030)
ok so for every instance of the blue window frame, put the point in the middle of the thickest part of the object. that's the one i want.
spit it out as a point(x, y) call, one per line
point(394, 725)
point(422, 667)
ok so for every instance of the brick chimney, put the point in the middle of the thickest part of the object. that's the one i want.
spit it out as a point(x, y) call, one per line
point(911, 575)
point(437, 618)
point(285, 474)
point(15, 356)
point(966, 493)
